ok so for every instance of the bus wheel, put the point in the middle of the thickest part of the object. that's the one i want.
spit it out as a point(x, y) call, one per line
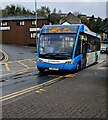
point(41, 70)
point(78, 67)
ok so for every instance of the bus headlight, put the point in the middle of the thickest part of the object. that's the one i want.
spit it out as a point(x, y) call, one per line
point(39, 60)
point(68, 62)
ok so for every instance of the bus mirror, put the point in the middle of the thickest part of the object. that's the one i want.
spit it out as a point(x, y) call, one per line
point(83, 38)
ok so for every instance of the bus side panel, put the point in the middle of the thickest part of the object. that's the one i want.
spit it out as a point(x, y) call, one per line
point(91, 58)
point(98, 55)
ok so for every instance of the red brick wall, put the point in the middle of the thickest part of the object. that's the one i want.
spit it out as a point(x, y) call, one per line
point(20, 35)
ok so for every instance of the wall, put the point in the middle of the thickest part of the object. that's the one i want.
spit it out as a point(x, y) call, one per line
point(20, 35)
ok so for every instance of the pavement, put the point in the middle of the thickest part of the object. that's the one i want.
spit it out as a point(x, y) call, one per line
point(80, 96)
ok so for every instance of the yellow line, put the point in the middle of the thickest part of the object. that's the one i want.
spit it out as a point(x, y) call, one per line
point(29, 89)
point(25, 59)
point(23, 64)
point(17, 61)
point(7, 67)
point(69, 75)
point(24, 69)
point(6, 57)
point(38, 91)
point(32, 61)
point(42, 90)
point(21, 92)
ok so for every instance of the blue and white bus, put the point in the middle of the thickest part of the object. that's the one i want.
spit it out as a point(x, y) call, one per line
point(67, 47)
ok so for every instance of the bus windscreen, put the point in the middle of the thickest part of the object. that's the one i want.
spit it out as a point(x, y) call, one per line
point(56, 46)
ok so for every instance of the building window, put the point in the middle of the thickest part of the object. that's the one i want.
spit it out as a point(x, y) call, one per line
point(33, 35)
point(34, 22)
point(20, 23)
point(4, 23)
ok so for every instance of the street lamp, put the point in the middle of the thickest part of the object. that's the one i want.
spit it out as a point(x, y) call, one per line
point(36, 18)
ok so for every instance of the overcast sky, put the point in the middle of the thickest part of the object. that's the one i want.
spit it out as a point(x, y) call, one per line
point(87, 7)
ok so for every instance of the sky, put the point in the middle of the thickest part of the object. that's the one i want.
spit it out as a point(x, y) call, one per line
point(87, 7)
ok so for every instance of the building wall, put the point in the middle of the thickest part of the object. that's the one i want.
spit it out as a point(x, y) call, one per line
point(40, 23)
point(21, 35)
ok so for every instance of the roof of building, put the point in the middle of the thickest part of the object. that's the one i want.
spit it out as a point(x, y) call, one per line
point(70, 18)
point(28, 17)
point(105, 26)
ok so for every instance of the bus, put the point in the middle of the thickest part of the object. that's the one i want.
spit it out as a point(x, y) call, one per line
point(67, 47)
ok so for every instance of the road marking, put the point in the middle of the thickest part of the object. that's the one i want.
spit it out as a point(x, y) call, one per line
point(17, 60)
point(7, 67)
point(40, 91)
point(6, 57)
point(26, 90)
point(21, 92)
point(37, 91)
point(69, 75)
point(25, 69)
point(18, 71)
point(32, 61)
point(23, 64)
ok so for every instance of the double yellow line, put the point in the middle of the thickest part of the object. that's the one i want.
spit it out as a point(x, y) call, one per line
point(21, 92)
point(5, 56)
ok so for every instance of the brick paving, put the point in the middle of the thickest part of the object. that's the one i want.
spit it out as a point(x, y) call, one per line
point(81, 96)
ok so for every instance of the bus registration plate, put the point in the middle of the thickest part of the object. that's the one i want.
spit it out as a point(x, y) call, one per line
point(53, 69)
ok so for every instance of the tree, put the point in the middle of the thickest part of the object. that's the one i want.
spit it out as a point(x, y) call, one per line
point(15, 10)
point(55, 18)
point(59, 12)
point(43, 11)
point(98, 24)
point(54, 10)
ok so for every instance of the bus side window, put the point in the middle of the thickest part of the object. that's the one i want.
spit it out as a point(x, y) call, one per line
point(78, 48)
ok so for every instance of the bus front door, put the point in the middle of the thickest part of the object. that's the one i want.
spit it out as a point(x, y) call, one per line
point(84, 54)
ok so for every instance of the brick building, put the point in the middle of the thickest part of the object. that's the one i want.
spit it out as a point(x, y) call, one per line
point(21, 30)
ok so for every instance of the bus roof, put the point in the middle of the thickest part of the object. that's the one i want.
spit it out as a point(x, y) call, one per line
point(88, 31)
point(68, 28)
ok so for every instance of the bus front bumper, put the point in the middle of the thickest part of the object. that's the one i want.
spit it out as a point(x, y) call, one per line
point(50, 66)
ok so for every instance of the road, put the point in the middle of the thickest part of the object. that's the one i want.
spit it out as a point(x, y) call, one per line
point(16, 52)
point(49, 92)
point(81, 95)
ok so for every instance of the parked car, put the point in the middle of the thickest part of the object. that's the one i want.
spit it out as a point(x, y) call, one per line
point(104, 47)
